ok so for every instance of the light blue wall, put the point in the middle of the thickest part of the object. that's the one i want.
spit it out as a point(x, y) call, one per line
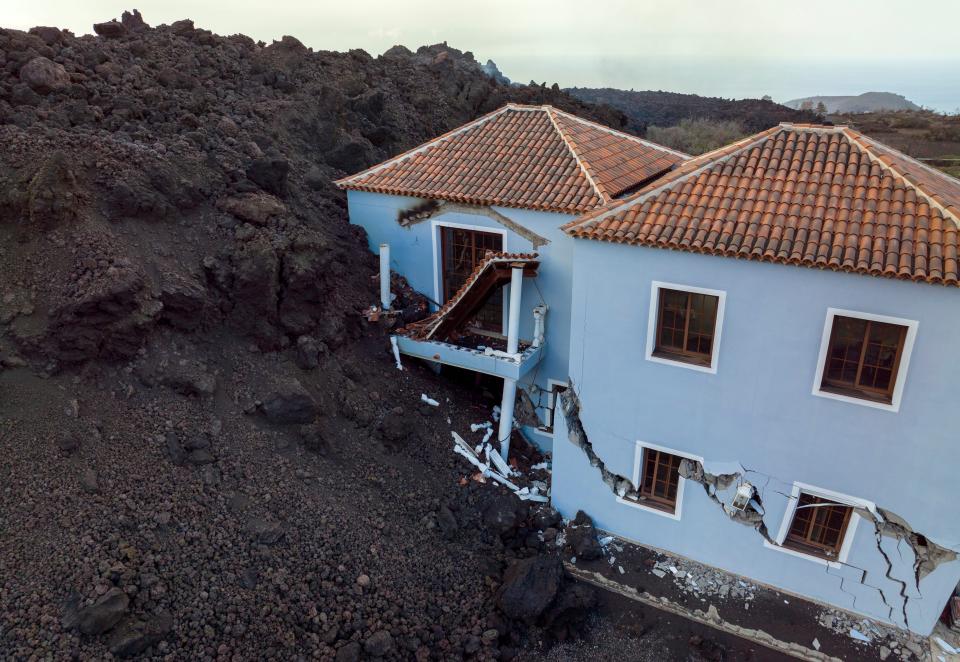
point(758, 410)
point(412, 255)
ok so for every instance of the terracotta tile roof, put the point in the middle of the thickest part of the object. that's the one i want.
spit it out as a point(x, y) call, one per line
point(493, 271)
point(616, 161)
point(825, 197)
point(533, 157)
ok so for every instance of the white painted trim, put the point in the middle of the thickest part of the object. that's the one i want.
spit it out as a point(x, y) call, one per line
point(576, 157)
point(901, 376)
point(637, 465)
point(655, 287)
point(435, 226)
point(823, 493)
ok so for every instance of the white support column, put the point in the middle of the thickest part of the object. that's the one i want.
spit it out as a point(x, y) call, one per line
point(385, 276)
point(506, 416)
point(513, 322)
point(513, 345)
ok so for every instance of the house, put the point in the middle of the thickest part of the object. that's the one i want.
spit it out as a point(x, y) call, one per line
point(467, 214)
point(744, 358)
point(763, 357)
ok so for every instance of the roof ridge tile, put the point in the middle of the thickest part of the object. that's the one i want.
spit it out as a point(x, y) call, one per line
point(867, 146)
point(571, 146)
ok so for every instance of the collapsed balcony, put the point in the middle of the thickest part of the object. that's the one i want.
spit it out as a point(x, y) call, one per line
point(448, 336)
point(486, 360)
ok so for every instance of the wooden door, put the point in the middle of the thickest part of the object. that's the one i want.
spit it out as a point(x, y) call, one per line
point(462, 250)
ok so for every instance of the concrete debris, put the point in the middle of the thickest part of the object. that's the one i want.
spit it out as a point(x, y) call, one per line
point(486, 425)
point(463, 448)
point(859, 636)
point(816, 644)
point(901, 643)
point(947, 648)
point(430, 401)
point(396, 351)
point(561, 540)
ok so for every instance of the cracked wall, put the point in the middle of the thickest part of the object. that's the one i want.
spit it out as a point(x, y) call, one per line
point(912, 557)
point(758, 406)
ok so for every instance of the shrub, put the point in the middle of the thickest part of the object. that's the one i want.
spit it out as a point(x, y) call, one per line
point(696, 136)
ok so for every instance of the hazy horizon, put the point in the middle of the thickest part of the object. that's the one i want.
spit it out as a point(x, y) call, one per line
point(736, 49)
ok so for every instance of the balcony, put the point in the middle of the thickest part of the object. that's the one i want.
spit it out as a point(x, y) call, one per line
point(487, 361)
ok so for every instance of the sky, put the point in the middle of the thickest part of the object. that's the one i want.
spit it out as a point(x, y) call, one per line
point(730, 48)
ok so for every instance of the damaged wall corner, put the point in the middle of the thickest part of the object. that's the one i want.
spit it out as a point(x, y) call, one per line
point(739, 492)
point(728, 489)
point(569, 406)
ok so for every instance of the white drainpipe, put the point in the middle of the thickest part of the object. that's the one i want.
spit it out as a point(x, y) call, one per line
point(513, 345)
point(385, 276)
point(506, 416)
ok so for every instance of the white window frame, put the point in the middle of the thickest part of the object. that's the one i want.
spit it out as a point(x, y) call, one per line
point(823, 493)
point(551, 405)
point(638, 467)
point(901, 376)
point(435, 226)
point(655, 288)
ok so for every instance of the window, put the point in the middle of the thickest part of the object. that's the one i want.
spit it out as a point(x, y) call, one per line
point(660, 479)
point(684, 327)
point(863, 357)
point(462, 250)
point(818, 526)
point(656, 475)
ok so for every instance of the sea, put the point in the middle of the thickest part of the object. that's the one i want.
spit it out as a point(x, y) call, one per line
point(931, 83)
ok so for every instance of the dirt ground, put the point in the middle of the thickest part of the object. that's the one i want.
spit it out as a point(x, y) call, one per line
point(623, 629)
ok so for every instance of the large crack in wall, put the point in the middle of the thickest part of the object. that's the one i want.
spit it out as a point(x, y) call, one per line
point(723, 481)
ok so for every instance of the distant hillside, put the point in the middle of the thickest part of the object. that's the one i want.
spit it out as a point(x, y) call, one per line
point(931, 137)
point(868, 102)
point(663, 109)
